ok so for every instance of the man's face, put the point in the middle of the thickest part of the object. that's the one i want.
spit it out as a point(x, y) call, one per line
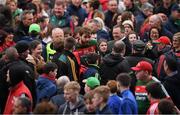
point(70, 95)
point(148, 12)
point(57, 35)
point(89, 105)
point(141, 75)
point(97, 100)
point(175, 14)
point(112, 6)
point(28, 19)
point(117, 33)
point(12, 6)
point(59, 10)
point(76, 3)
point(176, 42)
point(127, 3)
point(85, 38)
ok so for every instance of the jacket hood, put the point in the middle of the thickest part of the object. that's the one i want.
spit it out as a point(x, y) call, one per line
point(112, 59)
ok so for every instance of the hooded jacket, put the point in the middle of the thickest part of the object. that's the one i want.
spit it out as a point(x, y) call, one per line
point(112, 65)
point(78, 109)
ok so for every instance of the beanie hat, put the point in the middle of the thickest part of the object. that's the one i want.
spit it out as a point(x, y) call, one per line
point(139, 45)
point(34, 27)
point(22, 46)
point(129, 22)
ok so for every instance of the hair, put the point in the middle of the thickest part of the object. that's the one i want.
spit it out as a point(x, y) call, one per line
point(119, 26)
point(99, 14)
point(177, 35)
point(151, 30)
point(48, 67)
point(92, 58)
point(127, 15)
point(59, 3)
point(155, 90)
point(112, 84)
point(33, 45)
point(62, 81)
point(32, 7)
point(85, 30)
point(89, 96)
point(132, 32)
point(94, 4)
point(45, 108)
point(166, 106)
point(69, 43)
point(124, 79)
point(3, 35)
point(119, 46)
point(73, 85)
point(11, 53)
point(102, 91)
point(25, 102)
point(25, 12)
point(5, 10)
point(67, 30)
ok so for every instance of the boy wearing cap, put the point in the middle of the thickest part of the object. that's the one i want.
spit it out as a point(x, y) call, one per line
point(91, 83)
point(143, 71)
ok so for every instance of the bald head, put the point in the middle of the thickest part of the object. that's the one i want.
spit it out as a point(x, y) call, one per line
point(119, 47)
point(155, 20)
point(62, 81)
point(57, 35)
point(11, 53)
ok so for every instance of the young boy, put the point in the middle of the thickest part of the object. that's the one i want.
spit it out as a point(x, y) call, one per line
point(101, 95)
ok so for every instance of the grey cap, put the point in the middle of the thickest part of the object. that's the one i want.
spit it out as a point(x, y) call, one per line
point(139, 45)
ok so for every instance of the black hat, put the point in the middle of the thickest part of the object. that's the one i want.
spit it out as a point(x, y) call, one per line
point(139, 45)
point(175, 8)
point(22, 46)
point(171, 61)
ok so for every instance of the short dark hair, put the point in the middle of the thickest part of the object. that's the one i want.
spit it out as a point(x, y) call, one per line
point(92, 58)
point(166, 106)
point(124, 79)
point(94, 4)
point(50, 66)
point(119, 46)
point(155, 90)
point(69, 43)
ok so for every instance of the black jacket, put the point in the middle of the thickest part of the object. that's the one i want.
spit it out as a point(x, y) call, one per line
point(172, 85)
point(112, 65)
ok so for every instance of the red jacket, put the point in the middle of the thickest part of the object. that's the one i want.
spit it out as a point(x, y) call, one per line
point(16, 91)
point(153, 109)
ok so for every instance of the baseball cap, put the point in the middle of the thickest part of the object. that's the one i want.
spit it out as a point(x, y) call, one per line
point(34, 27)
point(92, 82)
point(143, 65)
point(138, 45)
point(164, 40)
point(175, 7)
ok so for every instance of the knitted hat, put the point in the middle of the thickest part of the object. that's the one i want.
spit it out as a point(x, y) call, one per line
point(129, 22)
point(138, 45)
point(22, 46)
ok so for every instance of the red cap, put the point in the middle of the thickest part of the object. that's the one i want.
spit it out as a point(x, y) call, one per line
point(164, 40)
point(143, 65)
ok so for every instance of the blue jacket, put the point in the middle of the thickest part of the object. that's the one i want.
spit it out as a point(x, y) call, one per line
point(77, 11)
point(114, 103)
point(45, 88)
point(171, 26)
point(128, 105)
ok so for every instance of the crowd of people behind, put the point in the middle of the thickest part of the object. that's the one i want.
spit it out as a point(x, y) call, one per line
point(89, 56)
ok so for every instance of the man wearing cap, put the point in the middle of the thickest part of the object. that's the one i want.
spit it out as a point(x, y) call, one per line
point(143, 71)
point(173, 23)
point(91, 83)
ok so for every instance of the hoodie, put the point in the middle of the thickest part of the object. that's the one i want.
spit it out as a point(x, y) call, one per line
point(78, 109)
point(112, 65)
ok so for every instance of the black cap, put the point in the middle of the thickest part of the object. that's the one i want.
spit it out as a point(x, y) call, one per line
point(175, 8)
point(139, 45)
